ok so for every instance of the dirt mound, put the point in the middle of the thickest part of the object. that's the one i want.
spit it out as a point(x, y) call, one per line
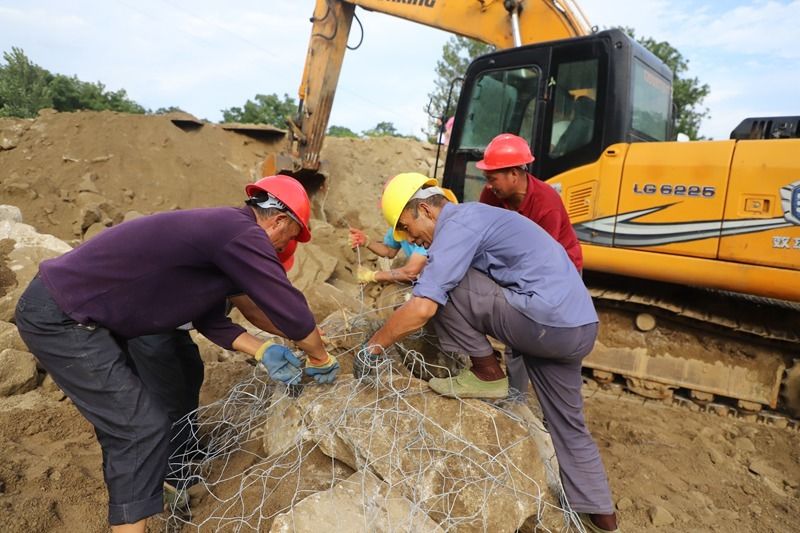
point(66, 171)
point(61, 165)
point(358, 168)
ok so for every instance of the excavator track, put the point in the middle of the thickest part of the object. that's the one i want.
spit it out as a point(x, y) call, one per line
point(661, 341)
point(681, 400)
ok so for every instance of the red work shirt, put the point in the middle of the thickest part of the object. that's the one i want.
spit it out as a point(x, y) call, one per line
point(543, 205)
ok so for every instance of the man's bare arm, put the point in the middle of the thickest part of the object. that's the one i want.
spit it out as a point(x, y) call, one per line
point(411, 316)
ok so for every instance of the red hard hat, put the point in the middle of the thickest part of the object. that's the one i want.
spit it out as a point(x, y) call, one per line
point(289, 191)
point(286, 256)
point(505, 151)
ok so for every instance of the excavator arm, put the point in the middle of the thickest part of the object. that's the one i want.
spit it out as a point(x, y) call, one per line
point(500, 23)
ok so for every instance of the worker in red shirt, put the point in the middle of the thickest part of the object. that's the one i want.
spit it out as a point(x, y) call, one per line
point(509, 185)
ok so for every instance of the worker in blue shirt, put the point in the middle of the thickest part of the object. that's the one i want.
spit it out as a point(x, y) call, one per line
point(493, 272)
point(416, 257)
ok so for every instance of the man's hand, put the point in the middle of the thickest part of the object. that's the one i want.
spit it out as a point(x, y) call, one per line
point(325, 372)
point(365, 275)
point(365, 363)
point(358, 238)
point(281, 363)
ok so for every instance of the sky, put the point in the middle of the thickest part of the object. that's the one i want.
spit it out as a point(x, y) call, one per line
point(205, 56)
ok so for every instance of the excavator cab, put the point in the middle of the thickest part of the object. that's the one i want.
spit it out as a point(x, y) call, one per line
point(570, 99)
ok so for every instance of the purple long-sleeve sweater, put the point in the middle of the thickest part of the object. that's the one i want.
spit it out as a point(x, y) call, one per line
point(155, 273)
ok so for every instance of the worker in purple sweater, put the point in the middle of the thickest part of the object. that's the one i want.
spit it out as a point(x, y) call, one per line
point(152, 275)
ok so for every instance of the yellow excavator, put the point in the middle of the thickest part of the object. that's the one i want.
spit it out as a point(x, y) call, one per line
point(691, 249)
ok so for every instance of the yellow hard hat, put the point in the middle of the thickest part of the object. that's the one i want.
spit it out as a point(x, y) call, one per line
point(399, 191)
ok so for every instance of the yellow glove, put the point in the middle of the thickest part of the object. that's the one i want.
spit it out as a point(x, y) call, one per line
point(366, 275)
point(259, 355)
point(324, 373)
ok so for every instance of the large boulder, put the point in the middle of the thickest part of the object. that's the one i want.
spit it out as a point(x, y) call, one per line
point(17, 372)
point(11, 213)
point(324, 299)
point(360, 504)
point(467, 464)
point(9, 337)
point(419, 352)
point(27, 236)
point(312, 266)
point(29, 249)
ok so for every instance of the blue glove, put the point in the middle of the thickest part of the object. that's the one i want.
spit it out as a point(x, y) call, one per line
point(281, 364)
point(325, 373)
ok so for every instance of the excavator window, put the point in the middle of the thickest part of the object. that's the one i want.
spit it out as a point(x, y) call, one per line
point(652, 97)
point(574, 109)
point(500, 101)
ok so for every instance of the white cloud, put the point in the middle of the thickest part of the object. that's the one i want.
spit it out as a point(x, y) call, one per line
point(763, 28)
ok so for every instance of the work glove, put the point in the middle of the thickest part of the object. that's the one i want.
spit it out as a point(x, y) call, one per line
point(281, 363)
point(358, 238)
point(324, 373)
point(365, 275)
point(365, 363)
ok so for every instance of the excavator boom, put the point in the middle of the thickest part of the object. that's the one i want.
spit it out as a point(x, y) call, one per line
point(489, 20)
point(500, 23)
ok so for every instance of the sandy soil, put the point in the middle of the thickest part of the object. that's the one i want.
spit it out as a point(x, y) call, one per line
point(671, 468)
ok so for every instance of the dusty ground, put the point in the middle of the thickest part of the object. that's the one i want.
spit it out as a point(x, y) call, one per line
point(671, 469)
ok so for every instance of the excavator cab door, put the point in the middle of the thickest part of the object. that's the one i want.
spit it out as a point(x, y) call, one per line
point(500, 94)
point(553, 95)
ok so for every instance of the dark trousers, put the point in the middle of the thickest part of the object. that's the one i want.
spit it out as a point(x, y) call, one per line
point(170, 366)
point(92, 368)
point(552, 356)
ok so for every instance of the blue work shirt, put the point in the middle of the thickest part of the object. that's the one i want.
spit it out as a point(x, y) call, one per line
point(536, 274)
point(405, 246)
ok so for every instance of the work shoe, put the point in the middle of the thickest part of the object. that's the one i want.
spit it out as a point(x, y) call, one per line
point(590, 526)
point(467, 385)
point(176, 501)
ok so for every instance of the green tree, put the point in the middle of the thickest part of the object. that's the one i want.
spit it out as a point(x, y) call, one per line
point(23, 86)
point(170, 109)
point(68, 93)
point(266, 109)
point(687, 93)
point(341, 131)
point(457, 54)
point(382, 129)
point(118, 101)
